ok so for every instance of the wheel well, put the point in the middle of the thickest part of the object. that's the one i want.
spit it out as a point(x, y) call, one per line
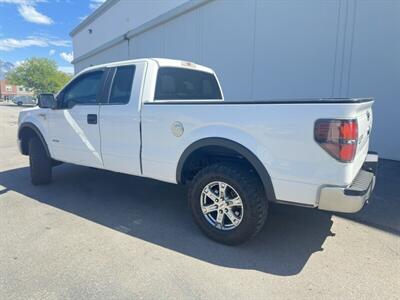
point(209, 155)
point(215, 150)
point(26, 132)
point(25, 135)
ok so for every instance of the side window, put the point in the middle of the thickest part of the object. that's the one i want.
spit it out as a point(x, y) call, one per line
point(122, 85)
point(83, 90)
point(184, 84)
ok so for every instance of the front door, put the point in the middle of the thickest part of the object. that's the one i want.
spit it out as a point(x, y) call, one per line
point(74, 125)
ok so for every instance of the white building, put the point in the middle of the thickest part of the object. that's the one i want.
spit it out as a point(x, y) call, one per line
point(264, 49)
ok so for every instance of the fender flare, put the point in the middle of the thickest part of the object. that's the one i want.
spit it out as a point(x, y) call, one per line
point(37, 132)
point(243, 151)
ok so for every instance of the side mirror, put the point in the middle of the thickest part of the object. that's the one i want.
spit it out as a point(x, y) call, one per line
point(47, 101)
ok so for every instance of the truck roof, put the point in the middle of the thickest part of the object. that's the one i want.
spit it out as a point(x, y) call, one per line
point(162, 62)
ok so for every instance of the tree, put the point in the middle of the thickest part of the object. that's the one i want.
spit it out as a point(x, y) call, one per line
point(40, 74)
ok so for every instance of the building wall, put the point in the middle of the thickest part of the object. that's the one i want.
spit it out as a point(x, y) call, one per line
point(374, 69)
point(123, 16)
point(117, 52)
point(8, 91)
point(288, 49)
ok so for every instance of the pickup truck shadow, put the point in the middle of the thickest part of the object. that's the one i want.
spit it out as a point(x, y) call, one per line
point(158, 213)
point(383, 210)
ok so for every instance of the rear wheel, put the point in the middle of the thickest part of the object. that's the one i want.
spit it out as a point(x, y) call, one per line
point(19, 103)
point(228, 203)
point(40, 162)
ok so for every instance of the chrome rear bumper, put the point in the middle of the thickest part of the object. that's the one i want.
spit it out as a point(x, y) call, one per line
point(352, 198)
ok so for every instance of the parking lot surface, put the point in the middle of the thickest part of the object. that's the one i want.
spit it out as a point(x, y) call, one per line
point(94, 234)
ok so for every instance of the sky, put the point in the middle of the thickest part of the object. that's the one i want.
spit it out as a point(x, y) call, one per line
point(40, 28)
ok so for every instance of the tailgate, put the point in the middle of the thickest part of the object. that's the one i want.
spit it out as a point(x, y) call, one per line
point(364, 119)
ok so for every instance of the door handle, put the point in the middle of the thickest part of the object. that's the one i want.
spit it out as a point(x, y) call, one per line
point(92, 119)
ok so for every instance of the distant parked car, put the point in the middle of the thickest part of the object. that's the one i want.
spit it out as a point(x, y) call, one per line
point(24, 100)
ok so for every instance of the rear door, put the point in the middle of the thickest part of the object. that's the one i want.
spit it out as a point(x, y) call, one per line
point(74, 126)
point(120, 119)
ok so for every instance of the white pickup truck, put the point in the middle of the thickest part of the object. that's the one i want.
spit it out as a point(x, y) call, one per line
point(167, 120)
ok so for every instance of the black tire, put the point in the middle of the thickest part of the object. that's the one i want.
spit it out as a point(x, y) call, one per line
point(249, 188)
point(40, 162)
point(19, 103)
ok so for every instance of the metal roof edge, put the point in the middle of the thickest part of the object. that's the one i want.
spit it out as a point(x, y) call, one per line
point(99, 11)
point(167, 16)
point(163, 18)
point(101, 48)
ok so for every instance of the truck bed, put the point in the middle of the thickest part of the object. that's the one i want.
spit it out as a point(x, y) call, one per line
point(271, 101)
point(281, 135)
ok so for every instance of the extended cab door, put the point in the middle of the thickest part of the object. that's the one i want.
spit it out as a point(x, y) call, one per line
point(74, 125)
point(120, 119)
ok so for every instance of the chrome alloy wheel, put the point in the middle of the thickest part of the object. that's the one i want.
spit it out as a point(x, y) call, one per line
point(221, 205)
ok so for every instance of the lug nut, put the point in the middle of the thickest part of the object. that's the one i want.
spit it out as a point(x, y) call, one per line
point(220, 211)
point(226, 210)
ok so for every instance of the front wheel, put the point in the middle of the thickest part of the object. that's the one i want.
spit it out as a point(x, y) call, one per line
point(228, 203)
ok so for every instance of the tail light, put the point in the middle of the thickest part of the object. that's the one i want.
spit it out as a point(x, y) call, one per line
point(337, 137)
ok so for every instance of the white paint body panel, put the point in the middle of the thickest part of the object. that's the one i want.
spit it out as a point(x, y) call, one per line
point(280, 135)
point(38, 117)
point(72, 139)
point(120, 130)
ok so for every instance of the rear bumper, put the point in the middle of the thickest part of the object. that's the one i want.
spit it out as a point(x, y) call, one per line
point(352, 198)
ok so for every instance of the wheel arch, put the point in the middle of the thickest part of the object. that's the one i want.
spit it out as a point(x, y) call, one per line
point(248, 155)
point(26, 131)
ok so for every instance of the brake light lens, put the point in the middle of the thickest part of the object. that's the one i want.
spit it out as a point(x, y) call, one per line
point(337, 137)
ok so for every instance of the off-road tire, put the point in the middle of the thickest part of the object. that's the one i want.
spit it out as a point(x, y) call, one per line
point(249, 188)
point(40, 162)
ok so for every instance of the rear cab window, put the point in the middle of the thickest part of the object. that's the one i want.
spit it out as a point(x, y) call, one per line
point(185, 84)
point(122, 85)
